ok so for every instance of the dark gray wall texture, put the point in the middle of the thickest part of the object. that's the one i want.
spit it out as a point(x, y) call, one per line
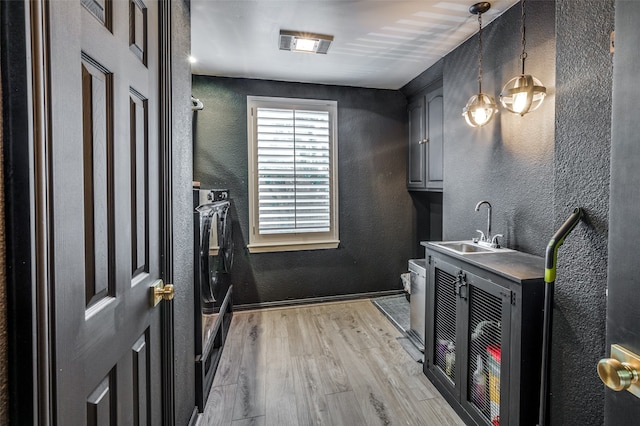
point(184, 349)
point(582, 168)
point(375, 208)
point(509, 161)
point(533, 169)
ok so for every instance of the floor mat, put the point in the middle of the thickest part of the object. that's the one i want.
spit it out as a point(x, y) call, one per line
point(396, 308)
point(411, 349)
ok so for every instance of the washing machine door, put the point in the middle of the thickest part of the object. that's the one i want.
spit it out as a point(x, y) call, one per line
point(211, 253)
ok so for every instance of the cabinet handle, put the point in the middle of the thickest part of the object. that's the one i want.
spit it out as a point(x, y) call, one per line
point(423, 141)
point(460, 285)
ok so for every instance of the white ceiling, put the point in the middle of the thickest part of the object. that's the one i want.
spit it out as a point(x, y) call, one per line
point(377, 43)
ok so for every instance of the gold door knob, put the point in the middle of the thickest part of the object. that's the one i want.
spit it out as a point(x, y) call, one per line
point(617, 375)
point(620, 372)
point(160, 291)
point(165, 292)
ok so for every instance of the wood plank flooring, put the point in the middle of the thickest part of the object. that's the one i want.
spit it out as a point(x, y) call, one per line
point(326, 364)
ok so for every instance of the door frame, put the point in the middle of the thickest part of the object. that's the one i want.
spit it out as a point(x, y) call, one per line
point(26, 80)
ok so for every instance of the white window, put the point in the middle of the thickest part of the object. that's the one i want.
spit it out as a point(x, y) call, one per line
point(293, 180)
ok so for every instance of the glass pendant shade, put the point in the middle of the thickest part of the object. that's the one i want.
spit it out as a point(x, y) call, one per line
point(522, 94)
point(479, 110)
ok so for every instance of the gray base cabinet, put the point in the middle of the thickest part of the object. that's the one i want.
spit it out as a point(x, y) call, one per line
point(483, 334)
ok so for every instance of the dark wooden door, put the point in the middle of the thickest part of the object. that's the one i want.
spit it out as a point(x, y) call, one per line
point(105, 211)
point(623, 306)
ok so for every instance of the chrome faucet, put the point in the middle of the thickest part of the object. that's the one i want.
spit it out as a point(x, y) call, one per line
point(487, 239)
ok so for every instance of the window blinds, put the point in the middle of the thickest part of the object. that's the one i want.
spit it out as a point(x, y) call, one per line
point(293, 171)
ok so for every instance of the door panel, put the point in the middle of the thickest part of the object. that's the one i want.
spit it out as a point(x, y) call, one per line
point(97, 148)
point(435, 126)
point(623, 313)
point(105, 211)
point(415, 172)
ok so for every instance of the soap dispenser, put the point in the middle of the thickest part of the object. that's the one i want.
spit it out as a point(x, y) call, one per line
point(478, 393)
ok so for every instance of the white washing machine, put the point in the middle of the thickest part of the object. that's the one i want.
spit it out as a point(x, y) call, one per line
point(418, 272)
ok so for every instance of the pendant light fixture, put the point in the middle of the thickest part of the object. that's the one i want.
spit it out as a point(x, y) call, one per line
point(481, 107)
point(523, 93)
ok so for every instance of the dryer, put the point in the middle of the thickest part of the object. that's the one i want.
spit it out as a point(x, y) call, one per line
point(213, 260)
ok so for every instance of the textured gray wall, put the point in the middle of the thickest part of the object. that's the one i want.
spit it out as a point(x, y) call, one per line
point(184, 365)
point(375, 209)
point(582, 167)
point(4, 361)
point(509, 161)
point(535, 169)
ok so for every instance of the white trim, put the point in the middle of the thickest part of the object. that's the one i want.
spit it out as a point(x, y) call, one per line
point(293, 246)
point(289, 242)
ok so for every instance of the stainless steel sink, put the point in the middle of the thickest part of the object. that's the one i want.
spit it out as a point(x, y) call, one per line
point(467, 247)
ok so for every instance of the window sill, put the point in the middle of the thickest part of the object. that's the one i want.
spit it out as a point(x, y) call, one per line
point(292, 246)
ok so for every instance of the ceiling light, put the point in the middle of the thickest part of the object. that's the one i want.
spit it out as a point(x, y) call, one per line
point(481, 107)
point(523, 93)
point(296, 41)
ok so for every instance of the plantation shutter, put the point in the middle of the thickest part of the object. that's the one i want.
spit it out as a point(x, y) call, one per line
point(294, 171)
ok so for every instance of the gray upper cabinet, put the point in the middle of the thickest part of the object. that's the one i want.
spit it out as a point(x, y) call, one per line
point(424, 169)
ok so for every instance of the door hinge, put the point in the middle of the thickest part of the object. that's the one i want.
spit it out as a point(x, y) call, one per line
point(508, 294)
point(429, 260)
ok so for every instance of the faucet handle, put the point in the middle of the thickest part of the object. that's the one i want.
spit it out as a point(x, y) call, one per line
point(482, 237)
point(494, 240)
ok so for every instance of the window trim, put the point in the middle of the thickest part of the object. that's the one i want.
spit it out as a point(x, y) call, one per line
point(291, 241)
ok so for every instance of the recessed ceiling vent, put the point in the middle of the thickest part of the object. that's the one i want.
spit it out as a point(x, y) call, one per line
point(297, 41)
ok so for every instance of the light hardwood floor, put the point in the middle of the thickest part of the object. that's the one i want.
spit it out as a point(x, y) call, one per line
point(325, 364)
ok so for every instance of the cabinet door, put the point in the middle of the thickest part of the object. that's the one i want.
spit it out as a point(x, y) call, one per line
point(426, 141)
point(416, 165)
point(442, 324)
point(467, 341)
point(486, 323)
point(435, 137)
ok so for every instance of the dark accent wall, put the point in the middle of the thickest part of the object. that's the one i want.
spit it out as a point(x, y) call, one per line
point(582, 168)
point(509, 161)
point(184, 349)
point(375, 208)
point(536, 169)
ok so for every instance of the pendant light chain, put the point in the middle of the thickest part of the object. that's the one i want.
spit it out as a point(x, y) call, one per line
point(523, 93)
point(481, 107)
point(523, 55)
point(479, 52)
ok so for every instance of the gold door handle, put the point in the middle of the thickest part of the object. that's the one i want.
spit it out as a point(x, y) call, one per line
point(161, 291)
point(616, 375)
point(620, 372)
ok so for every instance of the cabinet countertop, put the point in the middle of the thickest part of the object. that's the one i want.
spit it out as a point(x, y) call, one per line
point(513, 265)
